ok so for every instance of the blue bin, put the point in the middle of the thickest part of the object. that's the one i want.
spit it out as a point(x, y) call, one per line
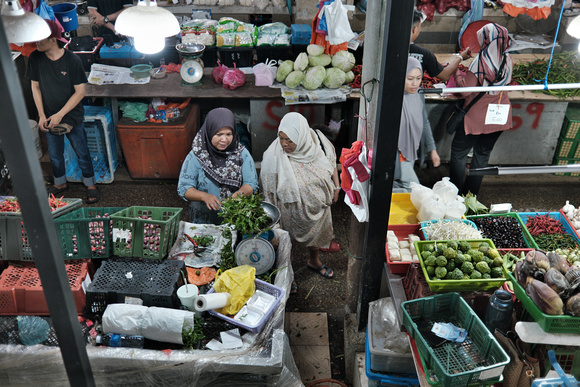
point(66, 14)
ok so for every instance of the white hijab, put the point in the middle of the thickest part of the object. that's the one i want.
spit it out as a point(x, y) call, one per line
point(308, 151)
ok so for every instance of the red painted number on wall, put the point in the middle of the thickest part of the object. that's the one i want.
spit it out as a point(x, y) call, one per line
point(275, 110)
point(533, 109)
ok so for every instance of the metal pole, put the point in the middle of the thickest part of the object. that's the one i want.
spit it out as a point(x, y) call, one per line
point(395, 51)
point(26, 175)
point(477, 89)
point(531, 170)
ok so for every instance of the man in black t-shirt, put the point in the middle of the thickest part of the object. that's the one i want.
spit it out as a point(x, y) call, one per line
point(103, 13)
point(58, 86)
point(428, 59)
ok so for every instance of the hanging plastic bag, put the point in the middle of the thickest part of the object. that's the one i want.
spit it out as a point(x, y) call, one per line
point(357, 197)
point(337, 23)
point(239, 283)
point(445, 189)
point(265, 73)
point(44, 10)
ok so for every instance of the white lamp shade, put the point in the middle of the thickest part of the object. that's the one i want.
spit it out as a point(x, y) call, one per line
point(147, 19)
point(573, 28)
point(20, 26)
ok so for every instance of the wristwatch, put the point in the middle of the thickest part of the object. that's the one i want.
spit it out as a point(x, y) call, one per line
point(106, 19)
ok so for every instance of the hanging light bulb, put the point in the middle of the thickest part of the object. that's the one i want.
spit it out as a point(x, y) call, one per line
point(148, 24)
point(20, 26)
point(573, 28)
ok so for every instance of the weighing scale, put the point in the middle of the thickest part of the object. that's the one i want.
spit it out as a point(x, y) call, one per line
point(191, 65)
point(256, 252)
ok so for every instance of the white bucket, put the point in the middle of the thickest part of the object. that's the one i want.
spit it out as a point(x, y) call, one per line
point(35, 136)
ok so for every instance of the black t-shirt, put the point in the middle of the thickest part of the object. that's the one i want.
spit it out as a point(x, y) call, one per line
point(427, 58)
point(107, 7)
point(57, 80)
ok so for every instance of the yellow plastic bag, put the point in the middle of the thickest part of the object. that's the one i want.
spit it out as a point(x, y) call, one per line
point(239, 282)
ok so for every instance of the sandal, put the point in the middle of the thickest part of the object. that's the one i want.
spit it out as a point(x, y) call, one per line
point(333, 248)
point(52, 190)
point(322, 270)
point(293, 288)
point(93, 196)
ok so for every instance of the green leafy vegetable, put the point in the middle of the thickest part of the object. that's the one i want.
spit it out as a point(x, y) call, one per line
point(245, 213)
point(191, 336)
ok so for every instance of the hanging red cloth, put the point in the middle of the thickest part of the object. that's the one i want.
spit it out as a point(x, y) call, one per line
point(320, 38)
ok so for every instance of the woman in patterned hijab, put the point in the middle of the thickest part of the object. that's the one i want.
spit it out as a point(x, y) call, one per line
point(217, 167)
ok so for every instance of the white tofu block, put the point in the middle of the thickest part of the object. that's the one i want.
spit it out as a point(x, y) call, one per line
point(406, 252)
point(392, 245)
point(415, 258)
point(407, 258)
point(395, 255)
point(391, 233)
point(404, 244)
point(392, 239)
point(414, 238)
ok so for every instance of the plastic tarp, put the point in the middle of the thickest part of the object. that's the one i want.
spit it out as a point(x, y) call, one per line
point(264, 360)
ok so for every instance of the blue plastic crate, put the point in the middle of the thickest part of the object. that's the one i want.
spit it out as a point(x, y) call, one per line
point(568, 229)
point(117, 50)
point(301, 33)
point(101, 143)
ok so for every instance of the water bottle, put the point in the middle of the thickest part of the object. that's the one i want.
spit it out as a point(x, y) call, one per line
point(115, 340)
point(499, 311)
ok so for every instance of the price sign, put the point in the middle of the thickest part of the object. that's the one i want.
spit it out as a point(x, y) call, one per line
point(497, 114)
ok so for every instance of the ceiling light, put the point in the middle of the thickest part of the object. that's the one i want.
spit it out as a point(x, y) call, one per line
point(148, 24)
point(573, 28)
point(20, 26)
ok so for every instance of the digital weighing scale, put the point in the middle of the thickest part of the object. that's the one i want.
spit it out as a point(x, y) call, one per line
point(191, 65)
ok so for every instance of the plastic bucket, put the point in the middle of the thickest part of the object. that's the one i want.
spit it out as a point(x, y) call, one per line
point(66, 13)
point(35, 136)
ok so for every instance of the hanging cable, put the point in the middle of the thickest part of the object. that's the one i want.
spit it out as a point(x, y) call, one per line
point(553, 46)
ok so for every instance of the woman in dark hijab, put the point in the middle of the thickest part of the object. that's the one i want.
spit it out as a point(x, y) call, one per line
point(217, 167)
point(413, 129)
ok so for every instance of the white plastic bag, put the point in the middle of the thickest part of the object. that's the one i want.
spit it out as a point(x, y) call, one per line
point(455, 209)
point(337, 23)
point(265, 73)
point(419, 193)
point(432, 208)
point(445, 189)
point(361, 210)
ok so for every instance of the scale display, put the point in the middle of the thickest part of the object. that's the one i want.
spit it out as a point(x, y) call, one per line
point(256, 252)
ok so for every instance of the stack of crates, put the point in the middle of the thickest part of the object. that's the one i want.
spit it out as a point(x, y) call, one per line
point(102, 146)
point(568, 151)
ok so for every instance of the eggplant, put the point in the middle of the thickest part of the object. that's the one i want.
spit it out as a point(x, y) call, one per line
point(545, 298)
point(557, 262)
point(556, 280)
point(573, 305)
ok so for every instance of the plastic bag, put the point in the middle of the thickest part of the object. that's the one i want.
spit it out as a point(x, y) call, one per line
point(45, 11)
point(445, 189)
point(239, 283)
point(265, 73)
point(455, 208)
point(234, 78)
point(419, 193)
point(432, 208)
point(32, 330)
point(338, 26)
point(218, 72)
point(385, 329)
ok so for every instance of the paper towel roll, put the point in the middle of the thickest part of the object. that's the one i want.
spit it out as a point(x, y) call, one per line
point(211, 301)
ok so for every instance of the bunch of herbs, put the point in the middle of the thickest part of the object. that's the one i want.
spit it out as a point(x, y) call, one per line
point(245, 213)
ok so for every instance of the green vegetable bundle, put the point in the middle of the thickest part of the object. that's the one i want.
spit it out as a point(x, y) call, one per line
point(245, 213)
point(565, 68)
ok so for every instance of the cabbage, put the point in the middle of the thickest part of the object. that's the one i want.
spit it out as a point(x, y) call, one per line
point(285, 68)
point(349, 77)
point(294, 79)
point(314, 50)
point(319, 60)
point(343, 60)
point(334, 78)
point(301, 62)
point(313, 77)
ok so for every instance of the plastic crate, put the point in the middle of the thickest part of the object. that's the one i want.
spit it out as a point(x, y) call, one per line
point(568, 229)
point(266, 53)
point(402, 209)
point(576, 232)
point(116, 51)
point(415, 284)
point(478, 359)
point(571, 124)
point(301, 33)
point(526, 237)
point(136, 237)
point(154, 282)
point(426, 223)
point(265, 287)
point(210, 56)
point(568, 149)
point(401, 231)
point(567, 356)
point(566, 161)
point(458, 285)
point(383, 360)
point(21, 291)
point(241, 56)
point(101, 143)
point(550, 324)
point(89, 57)
point(14, 242)
point(86, 232)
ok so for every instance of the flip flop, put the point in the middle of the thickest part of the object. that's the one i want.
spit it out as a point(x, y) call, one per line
point(52, 190)
point(323, 271)
point(293, 288)
point(93, 196)
point(333, 248)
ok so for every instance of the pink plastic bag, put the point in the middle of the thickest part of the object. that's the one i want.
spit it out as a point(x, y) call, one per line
point(234, 78)
point(265, 73)
point(218, 72)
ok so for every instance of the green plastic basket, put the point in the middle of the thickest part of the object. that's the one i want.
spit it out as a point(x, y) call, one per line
point(14, 242)
point(550, 324)
point(528, 240)
point(86, 232)
point(478, 360)
point(145, 232)
point(440, 286)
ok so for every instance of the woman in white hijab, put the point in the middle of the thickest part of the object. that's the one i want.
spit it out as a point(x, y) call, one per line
point(413, 129)
point(299, 176)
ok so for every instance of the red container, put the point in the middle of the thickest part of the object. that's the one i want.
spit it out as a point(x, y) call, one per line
point(414, 283)
point(21, 291)
point(402, 232)
point(156, 151)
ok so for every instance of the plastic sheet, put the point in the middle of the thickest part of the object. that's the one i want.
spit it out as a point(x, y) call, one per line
point(264, 360)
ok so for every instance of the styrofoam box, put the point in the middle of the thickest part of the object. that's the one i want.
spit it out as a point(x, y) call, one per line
point(383, 360)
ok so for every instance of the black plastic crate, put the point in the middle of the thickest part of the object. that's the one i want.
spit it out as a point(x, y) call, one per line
point(210, 56)
point(241, 56)
point(264, 53)
point(154, 282)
